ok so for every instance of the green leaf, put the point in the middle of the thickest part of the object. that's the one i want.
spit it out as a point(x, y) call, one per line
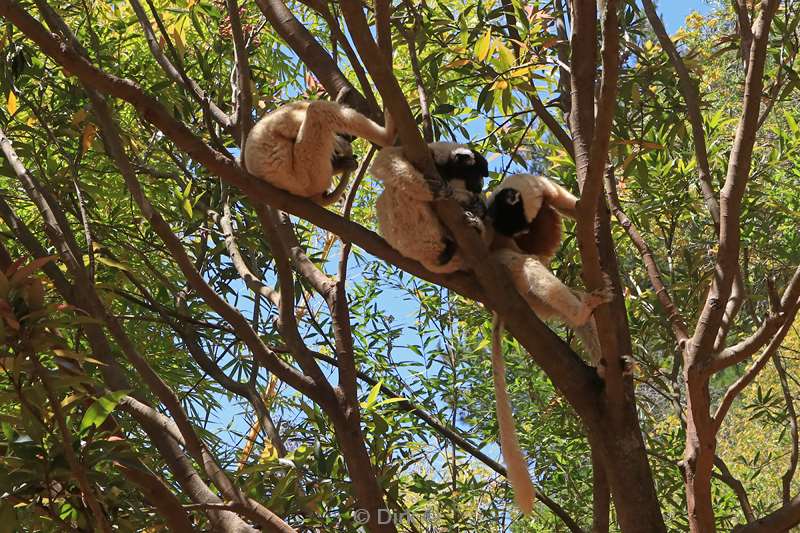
point(791, 121)
point(97, 413)
point(187, 207)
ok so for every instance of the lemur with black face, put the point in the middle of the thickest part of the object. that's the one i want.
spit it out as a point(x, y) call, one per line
point(406, 218)
point(300, 146)
point(524, 214)
point(524, 211)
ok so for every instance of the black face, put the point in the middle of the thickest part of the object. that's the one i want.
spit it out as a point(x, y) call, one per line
point(508, 213)
point(471, 167)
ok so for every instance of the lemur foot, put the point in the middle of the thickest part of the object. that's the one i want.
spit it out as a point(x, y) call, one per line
point(600, 296)
point(474, 222)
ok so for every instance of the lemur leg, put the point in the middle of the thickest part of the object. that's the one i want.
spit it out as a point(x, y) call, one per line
point(313, 149)
point(559, 298)
point(342, 119)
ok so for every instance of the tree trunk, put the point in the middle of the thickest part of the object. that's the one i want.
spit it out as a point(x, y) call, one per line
point(372, 511)
point(698, 455)
point(618, 442)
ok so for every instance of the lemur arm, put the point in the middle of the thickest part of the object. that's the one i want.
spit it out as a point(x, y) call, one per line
point(560, 198)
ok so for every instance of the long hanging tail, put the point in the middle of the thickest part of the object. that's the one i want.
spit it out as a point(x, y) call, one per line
point(516, 466)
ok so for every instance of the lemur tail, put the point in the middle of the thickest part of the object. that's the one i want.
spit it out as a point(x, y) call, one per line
point(516, 465)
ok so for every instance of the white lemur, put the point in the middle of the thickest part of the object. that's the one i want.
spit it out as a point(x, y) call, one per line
point(406, 218)
point(523, 214)
point(300, 146)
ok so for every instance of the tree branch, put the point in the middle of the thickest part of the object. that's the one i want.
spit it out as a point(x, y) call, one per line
point(791, 468)
point(673, 314)
point(243, 97)
point(310, 51)
point(746, 348)
point(783, 519)
point(748, 377)
point(733, 191)
point(736, 486)
point(159, 495)
point(178, 75)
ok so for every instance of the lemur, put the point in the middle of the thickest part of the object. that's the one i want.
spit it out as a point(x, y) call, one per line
point(523, 212)
point(406, 218)
point(300, 146)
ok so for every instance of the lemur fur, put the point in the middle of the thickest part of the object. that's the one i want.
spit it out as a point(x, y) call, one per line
point(406, 218)
point(300, 146)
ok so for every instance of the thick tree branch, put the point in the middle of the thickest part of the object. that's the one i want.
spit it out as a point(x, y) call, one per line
point(745, 30)
point(601, 495)
point(783, 519)
point(733, 191)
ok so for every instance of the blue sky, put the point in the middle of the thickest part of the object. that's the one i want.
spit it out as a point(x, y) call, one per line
point(674, 11)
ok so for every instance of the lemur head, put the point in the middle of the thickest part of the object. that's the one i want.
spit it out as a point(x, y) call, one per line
point(517, 210)
point(515, 203)
point(460, 165)
point(342, 158)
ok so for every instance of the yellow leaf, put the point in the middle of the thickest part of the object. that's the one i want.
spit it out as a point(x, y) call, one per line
point(507, 59)
point(483, 47)
point(179, 46)
point(112, 263)
point(457, 63)
point(499, 85)
point(89, 131)
point(12, 103)
point(520, 72)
